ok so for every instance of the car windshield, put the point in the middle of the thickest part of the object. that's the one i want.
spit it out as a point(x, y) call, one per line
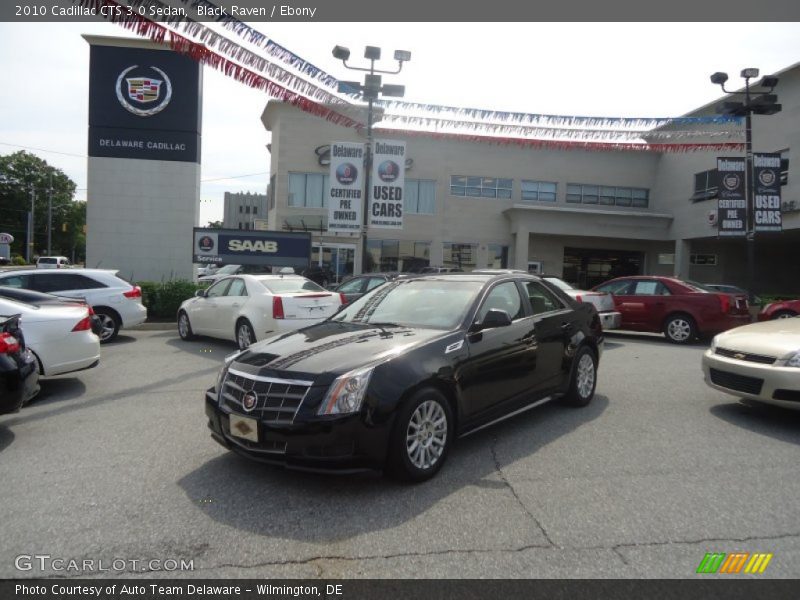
point(289, 286)
point(48, 261)
point(227, 270)
point(699, 286)
point(559, 283)
point(434, 303)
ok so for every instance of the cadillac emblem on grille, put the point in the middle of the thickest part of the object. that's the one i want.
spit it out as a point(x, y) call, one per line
point(739, 356)
point(249, 401)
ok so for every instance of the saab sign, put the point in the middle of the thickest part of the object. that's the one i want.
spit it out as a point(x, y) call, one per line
point(238, 247)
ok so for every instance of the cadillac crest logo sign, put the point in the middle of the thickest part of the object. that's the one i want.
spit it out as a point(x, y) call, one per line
point(143, 95)
point(249, 401)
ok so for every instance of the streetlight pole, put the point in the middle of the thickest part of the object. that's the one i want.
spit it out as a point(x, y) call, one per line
point(50, 216)
point(370, 91)
point(764, 104)
point(29, 253)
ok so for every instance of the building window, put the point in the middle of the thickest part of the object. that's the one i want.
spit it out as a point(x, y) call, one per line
point(541, 191)
point(581, 193)
point(784, 166)
point(480, 187)
point(705, 185)
point(460, 256)
point(498, 256)
point(394, 255)
point(308, 190)
point(247, 210)
point(241, 209)
point(255, 210)
point(271, 192)
point(420, 197)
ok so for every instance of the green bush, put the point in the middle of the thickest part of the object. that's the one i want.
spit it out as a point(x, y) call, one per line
point(766, 299)
point(163, 299)
point(19, 261)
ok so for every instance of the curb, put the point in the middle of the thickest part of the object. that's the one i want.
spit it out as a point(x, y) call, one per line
point(154, 327)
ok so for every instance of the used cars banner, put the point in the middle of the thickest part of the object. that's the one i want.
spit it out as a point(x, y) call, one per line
point(732, 205)
point(388, 183)
point(767, 188)
point(345, 197)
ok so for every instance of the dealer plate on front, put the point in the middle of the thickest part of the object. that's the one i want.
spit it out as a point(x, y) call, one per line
point(244, 427)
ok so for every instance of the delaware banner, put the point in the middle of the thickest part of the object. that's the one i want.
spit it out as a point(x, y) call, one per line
point(732, 205)
point(767, 188)
point(345, 195)
point(388, 183)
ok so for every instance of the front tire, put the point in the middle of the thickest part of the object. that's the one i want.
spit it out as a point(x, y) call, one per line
point(422, 436)
point(244, 334)
point(185, 327)
point(584, 378)
point(680, 329)
point(784, 314)
point(110, 324)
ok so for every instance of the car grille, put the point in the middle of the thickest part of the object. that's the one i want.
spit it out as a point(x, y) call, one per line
point(756, 358)
point(739, 383)
point(277, 400)
point(787, 395)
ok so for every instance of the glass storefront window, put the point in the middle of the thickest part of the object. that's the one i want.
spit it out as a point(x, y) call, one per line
point(393, 255)
point(460, 256)
point(498, 256)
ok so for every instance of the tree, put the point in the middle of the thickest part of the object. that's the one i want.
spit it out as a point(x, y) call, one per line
point(21, 173)
point(215, 225)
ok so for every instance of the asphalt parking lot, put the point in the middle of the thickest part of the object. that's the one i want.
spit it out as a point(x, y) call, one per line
point(117, 462)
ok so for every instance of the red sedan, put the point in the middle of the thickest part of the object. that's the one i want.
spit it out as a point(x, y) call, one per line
point(680, 309)
point(780, 310)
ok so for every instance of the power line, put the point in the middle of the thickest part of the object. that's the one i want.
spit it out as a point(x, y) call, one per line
point(235, 177)
point(42, 150)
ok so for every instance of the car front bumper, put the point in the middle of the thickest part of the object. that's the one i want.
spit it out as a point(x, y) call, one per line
point(765, 383)
point(341, 445)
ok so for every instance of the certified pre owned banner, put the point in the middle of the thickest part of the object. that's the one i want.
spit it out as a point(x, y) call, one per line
point(732, 205)
point(346, 188)
point(767, 188)
point(388, 181)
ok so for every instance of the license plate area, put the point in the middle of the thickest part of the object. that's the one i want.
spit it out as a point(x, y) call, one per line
point(243, 427)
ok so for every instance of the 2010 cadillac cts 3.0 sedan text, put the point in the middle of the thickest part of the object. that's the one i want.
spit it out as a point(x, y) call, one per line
point(392, 379)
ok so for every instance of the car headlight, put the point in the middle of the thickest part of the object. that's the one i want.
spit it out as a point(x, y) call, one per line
point(791, 360)
point(346, 394)
point(223, 372)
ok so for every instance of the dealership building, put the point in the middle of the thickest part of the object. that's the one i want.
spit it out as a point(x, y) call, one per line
point(584, 215)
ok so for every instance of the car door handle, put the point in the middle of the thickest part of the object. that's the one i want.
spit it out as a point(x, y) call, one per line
point(566, 325)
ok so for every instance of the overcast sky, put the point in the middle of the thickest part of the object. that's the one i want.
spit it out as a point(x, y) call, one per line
point(602, 69)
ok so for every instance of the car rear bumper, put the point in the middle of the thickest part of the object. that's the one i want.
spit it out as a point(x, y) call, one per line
point(344, 445)
point(610, 319)
point(755, 381)
point(78, 351)
point(134, 314)
point(724, 323)
point(19, 384)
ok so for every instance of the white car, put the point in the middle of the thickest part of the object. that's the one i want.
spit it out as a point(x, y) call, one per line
point(53, 262)
point(117, 303)
point(60, 336)
point(760, 361)
point(610, 317)
point(251, 308)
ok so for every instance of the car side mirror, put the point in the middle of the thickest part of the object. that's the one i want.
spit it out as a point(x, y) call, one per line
point(494, 318)
point(200, 293)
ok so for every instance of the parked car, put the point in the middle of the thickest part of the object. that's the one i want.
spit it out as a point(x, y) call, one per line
point(248, 308)
point(354, 287)
point(780, 310)
point(228, 270)
point(53, 262)
point(760, 362)
point(19, 371)
point(207, 269)
point(117, 303)
point(60, 337)
point(392, 379)
point(320, 275)
point(734, 289)
point(40, 298)
point(679, 309)
point(426, 270)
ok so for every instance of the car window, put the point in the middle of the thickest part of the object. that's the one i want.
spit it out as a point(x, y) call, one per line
point(560, 283)
point(47, 261)
point(374, 282)
point(288, 286)
point(62, 282)
point(16, 281)
point(650, 288)
point(542, 299)
point(353, 286)
point(620, 288)
point(218, 289)
point(237, 288)
point(504, 296)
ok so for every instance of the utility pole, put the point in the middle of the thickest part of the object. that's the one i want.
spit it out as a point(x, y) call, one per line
point(29, 253)
point(50, 216)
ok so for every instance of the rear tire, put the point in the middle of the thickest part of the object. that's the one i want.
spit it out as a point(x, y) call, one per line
point(244, 334)
point(423, 431)
point(110, 323)
point(584, 378)
point(185, 327)
point(784, 314)
point(680, 329)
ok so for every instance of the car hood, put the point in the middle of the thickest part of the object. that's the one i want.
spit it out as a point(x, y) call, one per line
point(321, 352)
point(770, 338)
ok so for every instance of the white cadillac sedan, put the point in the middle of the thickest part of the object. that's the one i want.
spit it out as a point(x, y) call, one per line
point(250, 308)
point(60, 336)
point(760, 361)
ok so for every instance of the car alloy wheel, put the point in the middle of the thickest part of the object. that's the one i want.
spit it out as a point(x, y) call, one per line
point(108, 326)
point(679, 330)
point(244, 335)
point(585, 375)
point(584, 378)
point(426, 435)
point(184, 327)
point(784, 314)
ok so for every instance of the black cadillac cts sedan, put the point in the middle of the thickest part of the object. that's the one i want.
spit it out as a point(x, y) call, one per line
point(392, 379)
